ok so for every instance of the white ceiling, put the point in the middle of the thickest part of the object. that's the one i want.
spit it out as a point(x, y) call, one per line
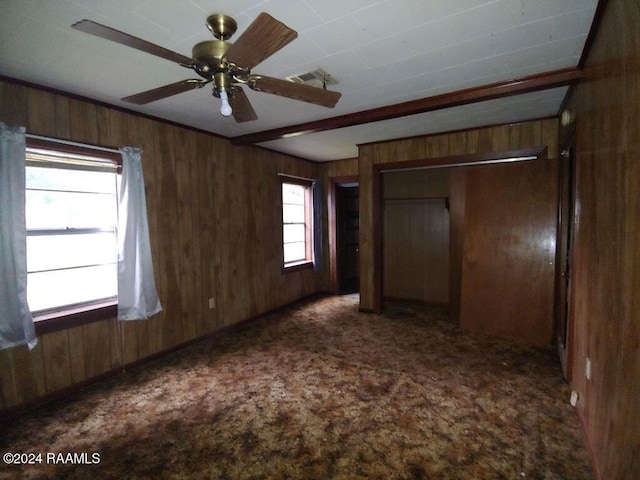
point(381, 52)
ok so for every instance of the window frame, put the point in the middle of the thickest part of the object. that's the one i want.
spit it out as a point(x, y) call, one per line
point(49, 321)
point(308, 222)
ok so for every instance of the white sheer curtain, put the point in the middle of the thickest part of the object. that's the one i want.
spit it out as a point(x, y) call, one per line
point(137, 296)
point(16, 323)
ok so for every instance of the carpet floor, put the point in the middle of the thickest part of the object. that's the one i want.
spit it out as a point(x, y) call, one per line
point(318, 391)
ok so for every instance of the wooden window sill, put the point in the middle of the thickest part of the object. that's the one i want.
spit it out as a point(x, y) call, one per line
point(297, 267)
point(74, 317)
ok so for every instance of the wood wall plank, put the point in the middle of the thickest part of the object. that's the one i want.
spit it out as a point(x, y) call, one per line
point(500, 138)
point(84, 122)
point(30, 374)
point(457, 214)
point(97, 353)
point(104, 127)
point(13, 104)
point(433, 147)
point(225, 201)
point(115, 343)
point(200, 299)
point(57, 364)
point(129, 339)
point(457, 143)
point(523, 134)
point(77, 354)
point(63, 117)
point(8, 386)
point(168, 246)
point(204, 172)
point(41, 113)
point(549, 135)
point(184, 242)
point(367, 156)
point(116, 126)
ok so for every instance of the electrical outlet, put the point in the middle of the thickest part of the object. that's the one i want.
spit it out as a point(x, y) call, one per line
point(212, 303)
point(587, 369)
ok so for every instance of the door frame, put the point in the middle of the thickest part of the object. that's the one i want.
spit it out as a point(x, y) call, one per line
point(563, 311)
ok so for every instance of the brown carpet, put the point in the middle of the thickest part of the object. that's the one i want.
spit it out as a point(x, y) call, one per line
point(320, 391)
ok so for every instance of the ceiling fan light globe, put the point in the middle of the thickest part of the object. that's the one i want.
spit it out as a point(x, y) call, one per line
point(225, 107)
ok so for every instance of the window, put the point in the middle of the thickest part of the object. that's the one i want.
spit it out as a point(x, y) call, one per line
point(297, 228)
point(71, 219)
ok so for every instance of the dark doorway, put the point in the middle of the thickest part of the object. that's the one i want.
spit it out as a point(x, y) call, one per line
point(347, 237)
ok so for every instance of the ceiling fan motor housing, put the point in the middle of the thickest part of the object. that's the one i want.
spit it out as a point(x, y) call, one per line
point(211, 53)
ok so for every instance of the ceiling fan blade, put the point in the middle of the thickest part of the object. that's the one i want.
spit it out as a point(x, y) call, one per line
point(297, 91)
point(242, 109)
point(264, 37)
point(164, 91)
point(117, 36)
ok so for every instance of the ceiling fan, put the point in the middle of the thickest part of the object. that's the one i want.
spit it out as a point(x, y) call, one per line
point(226, 65)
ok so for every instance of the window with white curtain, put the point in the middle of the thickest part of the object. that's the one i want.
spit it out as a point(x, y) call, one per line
point(71, 219)
point(297, 222)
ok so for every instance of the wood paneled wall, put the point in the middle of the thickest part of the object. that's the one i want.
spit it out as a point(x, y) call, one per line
point(605, 284)
point(431, 150)
point(214, 221)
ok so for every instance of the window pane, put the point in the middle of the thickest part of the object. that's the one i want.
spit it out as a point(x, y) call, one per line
point(71, 180)
point(296, 211)
point(292, 193)
point(69, 210)
point(67, 267)
point(49, 252)
point(293, 233)
point(67, 287)
point(293, 214)
point(294, 252)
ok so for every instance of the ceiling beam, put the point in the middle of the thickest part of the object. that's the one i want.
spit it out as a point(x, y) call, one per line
point(532, 83)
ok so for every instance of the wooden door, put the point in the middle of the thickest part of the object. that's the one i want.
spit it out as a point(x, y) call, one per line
point(416, 250)
point(508, 264)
